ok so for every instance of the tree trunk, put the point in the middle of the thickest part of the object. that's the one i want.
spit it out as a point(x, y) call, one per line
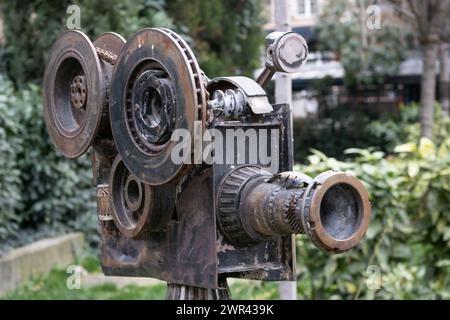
point(444, 79)
point(364, 41)
point(428, 89)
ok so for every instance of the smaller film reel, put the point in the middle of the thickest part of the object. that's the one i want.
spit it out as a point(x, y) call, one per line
point(138, 208)
point(76, 78)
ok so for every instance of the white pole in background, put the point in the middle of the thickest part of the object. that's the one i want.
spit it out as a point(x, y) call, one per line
point(283, 94)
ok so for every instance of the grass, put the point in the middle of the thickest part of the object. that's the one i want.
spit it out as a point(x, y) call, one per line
point(53, 286)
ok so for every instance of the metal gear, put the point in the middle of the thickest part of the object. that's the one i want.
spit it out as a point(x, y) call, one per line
point(229, 201)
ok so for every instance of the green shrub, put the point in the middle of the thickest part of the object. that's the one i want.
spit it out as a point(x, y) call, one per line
point(332, 133)
point(38, 186)
point(409, 235)
point(225, 35)
point(31, 29)
point(336, 129)
point(10, 182)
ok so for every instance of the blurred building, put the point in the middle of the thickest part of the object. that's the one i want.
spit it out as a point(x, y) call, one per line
point(303, 18)
point(401, 88)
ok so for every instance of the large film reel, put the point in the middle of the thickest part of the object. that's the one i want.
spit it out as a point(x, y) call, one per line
point(75, 90)
point(156, 88)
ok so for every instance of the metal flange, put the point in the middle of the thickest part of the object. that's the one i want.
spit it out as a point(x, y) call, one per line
point(335, 211)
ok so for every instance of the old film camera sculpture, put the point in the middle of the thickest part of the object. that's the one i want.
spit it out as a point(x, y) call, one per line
point(192, 223)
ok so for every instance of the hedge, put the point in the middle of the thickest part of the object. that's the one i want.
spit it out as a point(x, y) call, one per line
point(39, 189)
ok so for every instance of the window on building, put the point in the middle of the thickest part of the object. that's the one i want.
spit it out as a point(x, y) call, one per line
point(314, 6)
point(307, 7)
point(301, 5)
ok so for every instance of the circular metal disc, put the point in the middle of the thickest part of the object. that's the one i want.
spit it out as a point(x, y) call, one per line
point(148, 53)
point(72, 127)
point(112, 43)
point(138, 208)
point(290, 52)
point(354, 197)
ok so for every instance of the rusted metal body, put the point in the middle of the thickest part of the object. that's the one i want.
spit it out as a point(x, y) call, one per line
point(192, 224)
point(189, 249)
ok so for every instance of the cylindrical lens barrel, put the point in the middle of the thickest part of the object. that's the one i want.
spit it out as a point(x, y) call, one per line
point(333, 209)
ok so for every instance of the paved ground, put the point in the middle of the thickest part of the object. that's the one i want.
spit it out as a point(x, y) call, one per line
point(21, 264)
point(94, 279)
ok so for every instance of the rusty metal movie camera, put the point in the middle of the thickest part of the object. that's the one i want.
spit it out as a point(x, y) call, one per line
point(191, 224)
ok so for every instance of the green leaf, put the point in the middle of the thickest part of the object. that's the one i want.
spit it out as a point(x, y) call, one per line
point(406, 148)
point(444, 149)
point(413, 169)
point(426, 148)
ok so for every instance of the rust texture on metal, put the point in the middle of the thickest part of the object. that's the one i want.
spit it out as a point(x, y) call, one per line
point(191, 225)
point(103, 207)
point(138, 208)
point(271, 258)
point(333, 209)
point(108, 46)
point(107, 56)
point(183, 252)
point(76, 91)
point(156, 89)
point(72, 126)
